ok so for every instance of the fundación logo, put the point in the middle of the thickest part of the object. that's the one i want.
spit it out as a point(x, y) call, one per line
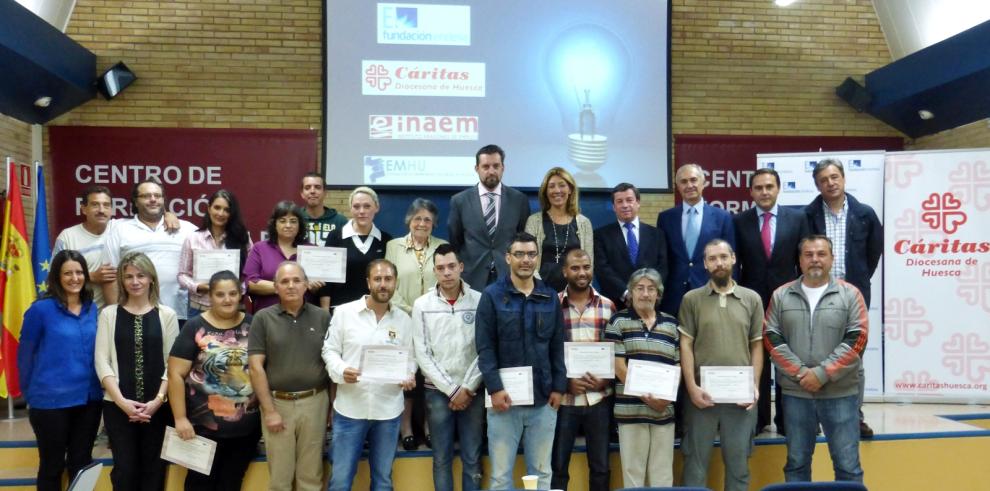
point(422, 78)
point(424, 24)
point(943, 211)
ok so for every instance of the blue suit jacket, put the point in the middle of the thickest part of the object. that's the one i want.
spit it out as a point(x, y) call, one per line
point(864, 240)
point(758, 273)
point(687, 268)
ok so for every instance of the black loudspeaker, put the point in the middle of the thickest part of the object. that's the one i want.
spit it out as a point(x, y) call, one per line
point(115, 80)
point(856, 95)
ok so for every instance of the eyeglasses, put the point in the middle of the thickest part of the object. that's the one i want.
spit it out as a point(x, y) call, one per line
point(521, 254)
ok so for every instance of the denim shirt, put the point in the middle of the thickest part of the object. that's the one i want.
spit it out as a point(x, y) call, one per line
point(515, 330)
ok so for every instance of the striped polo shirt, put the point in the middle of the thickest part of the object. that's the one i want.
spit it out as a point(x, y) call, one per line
point(634, 342)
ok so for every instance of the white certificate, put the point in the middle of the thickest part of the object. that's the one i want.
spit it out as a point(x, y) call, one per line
point(327, 264)
point(194, 454)
point(657, 380)
point(518, 382)
point(206, 263)
point(597, 359)
point(728, 384)
point(385, 364)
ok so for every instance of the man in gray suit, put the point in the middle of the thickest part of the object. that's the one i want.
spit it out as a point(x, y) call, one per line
point(484, 218)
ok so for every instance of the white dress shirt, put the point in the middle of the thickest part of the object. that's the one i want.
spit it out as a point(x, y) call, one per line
point(482, 191)
point(352, 327)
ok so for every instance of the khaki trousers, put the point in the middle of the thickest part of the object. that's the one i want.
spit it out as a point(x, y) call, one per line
point(295, 454)
point(647, 453)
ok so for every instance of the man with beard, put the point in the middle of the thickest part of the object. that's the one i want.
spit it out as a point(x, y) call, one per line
point(519, 324)
point(817, 354)
point(588, 401)
point(484, 218)
point(721, 325)
point(366, 410)
point(147, 232)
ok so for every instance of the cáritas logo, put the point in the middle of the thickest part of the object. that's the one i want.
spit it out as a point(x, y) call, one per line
point(943, 211)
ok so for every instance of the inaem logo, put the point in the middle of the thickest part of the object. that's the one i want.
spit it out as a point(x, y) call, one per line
point(407, 17)
point(943, 212)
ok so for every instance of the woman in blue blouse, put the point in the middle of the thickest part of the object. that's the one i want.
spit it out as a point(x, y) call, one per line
point(55, 362)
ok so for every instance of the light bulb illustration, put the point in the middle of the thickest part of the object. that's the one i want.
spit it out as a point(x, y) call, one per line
point(586, 69)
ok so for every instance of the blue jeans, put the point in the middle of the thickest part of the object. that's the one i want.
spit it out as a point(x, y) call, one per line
point(534, 425)
point(348, 441)
point(470, 426)
point(595, 420)
point(839, 418)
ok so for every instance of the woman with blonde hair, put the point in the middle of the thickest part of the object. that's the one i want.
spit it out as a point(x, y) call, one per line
point(559, 225)
point(133, 339)
point(364, 242)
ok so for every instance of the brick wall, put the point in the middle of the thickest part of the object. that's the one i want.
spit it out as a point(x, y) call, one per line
point(973, 135)
point(738, 66)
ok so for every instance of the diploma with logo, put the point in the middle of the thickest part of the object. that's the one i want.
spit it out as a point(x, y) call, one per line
point(728, 384)
point(385, 364)
point(194, 454)
point(327, 264)
point(597, 359)
point(518, 382)
point(206, 263)
point(658, 380)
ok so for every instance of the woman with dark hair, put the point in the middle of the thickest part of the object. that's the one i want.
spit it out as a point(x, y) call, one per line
point(222, 228)
point(133, 339)
point(210, 389)
point(286, 232)
point(55, 363)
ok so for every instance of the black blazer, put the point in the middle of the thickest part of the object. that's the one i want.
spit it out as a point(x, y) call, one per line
point(469, 234)
point(612, 265)
point(758, 273)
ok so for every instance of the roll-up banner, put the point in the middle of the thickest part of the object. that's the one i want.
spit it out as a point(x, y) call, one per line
point(937, 275)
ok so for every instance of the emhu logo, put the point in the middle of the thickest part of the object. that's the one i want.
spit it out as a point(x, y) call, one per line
point(943, 211)
point(422, 127)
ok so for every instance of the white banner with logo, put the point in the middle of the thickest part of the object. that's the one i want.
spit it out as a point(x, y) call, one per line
point(937, 258)
point(864, 172)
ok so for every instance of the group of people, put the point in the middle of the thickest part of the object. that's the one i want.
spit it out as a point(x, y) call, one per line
point(127, 331)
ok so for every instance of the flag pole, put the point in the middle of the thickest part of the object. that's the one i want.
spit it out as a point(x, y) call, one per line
point(6, 169)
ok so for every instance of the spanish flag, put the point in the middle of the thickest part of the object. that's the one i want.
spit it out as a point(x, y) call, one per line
point(16, 284)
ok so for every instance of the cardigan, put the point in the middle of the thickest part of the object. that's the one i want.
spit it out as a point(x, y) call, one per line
point(106, 350)
point(534, 226)
point(412, 282)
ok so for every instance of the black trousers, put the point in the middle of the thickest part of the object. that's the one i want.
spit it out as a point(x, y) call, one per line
point(229, 464)
point(137, 447)
point(65, 441)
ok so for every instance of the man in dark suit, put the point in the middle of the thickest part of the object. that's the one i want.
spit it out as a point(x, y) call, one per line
point(767, 237)
point(687, 228)
point(626, 245)
point(484, 218)
point(856, 235)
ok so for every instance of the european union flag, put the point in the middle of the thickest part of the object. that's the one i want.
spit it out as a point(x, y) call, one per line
point(41, 253)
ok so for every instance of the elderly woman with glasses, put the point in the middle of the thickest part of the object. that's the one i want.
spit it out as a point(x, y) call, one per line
point(646, 423)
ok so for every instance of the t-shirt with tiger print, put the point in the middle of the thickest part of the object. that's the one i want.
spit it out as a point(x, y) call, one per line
point(220, 401)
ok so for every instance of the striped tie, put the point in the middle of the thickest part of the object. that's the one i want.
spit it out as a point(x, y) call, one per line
point(490, 214)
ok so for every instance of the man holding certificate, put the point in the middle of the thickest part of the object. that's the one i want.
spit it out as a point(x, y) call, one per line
point(519, 330)
point(721, 359)
point(817, 354)
point(591, 368)
point(368, 352)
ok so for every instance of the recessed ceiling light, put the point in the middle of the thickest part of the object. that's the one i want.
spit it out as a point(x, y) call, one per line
point(43, 101)
point(925, 114)
point(783, 3)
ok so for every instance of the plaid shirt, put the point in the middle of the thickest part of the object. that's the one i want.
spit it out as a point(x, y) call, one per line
point(586, 326)
point(835, 230)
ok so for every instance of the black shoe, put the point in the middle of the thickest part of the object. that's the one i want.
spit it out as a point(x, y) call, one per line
point(429, 442)
point(865, 432)
point(409, 443)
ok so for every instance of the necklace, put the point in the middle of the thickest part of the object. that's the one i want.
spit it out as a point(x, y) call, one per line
point(557, 247)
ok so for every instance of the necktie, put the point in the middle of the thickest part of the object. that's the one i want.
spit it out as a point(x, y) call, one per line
point(765, 233)
point(631, 243)
point(691, 231)
point(490, 214)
